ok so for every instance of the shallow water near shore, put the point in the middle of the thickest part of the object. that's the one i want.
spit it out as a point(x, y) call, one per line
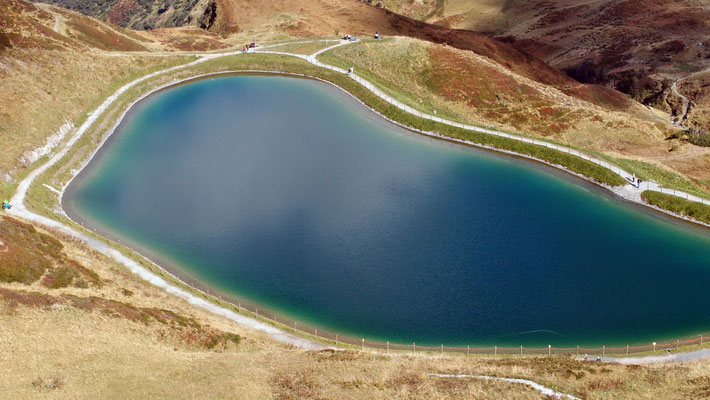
point(288, 193)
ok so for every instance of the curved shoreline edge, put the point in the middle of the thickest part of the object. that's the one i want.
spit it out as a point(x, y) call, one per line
point(19, 209)
point(276, 333)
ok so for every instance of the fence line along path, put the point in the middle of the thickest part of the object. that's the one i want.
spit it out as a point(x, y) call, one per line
point(628, 191)
point(160, 280)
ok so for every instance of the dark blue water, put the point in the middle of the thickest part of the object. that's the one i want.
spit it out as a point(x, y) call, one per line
point(286, 192)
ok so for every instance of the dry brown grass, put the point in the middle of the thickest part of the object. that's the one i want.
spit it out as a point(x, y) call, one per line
point(129, 339)
point(92, 355)
point(42, 89)
point(48, 77)
point(467, 87)
point(29, 256)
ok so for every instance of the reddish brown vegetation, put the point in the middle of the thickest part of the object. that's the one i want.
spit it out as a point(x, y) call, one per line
point(183, 329)
point(47, 384)
point(86, 30)
point(498, 95)
point(111, 308)
point(295, 384)
point(602, 96)
point(195, 44)
point(517, 61)
point(205, 337)
point(21, 26)
point(121, 11)
point(26, 255)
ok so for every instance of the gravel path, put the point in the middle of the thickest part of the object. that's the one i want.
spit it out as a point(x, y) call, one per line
point(542, 389)
point(678, 122)
point(668, 358)
point(628, 191)
point(19, 209)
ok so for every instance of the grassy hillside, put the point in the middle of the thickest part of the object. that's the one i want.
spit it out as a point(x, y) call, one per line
point(464, 86)
point(501, 85)
point(637, 47)
point(56, 66)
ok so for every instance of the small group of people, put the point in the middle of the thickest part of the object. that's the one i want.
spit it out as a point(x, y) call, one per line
point(354, 38)
point(248, 46)
point(636, 181)
point(6, 205)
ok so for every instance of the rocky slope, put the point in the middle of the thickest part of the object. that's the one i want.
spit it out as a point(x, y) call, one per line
point(142, 14)
point(638, 47)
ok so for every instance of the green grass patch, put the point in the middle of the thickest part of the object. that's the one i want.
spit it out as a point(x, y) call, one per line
point(402, 94)
point(575, 164)
point(665, 178)
point(690, 209)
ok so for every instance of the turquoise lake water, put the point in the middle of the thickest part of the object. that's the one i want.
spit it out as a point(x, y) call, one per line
point(288, 193)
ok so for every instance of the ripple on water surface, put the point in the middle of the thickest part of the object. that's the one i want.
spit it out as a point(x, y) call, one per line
point(286, 192)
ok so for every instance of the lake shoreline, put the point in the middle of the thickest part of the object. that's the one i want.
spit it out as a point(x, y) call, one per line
point(184, 276)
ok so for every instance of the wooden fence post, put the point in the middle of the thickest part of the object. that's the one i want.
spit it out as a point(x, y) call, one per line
point(603, 349)
point(414, 347)
point(336, 340)
point(654, 346)
point(363, 344)
point(577, 350)
point(549, 349)
point(701, 340)
point(468, 350)
point(442, 349)
point(521, 350)
point(495, 350)
point(388, 347)
point(627, 349)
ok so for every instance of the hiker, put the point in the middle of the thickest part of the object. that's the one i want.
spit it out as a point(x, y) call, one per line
point(377, 35)
point(639, 183)
point(350, 70)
